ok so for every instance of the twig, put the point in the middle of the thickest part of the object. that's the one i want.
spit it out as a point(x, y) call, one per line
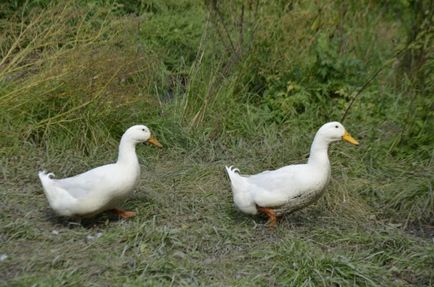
point(240, 44)
point(228, 36)
point(370, 80)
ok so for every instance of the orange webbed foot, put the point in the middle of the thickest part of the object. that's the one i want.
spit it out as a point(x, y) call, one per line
point(271, 214)
point(123, 213)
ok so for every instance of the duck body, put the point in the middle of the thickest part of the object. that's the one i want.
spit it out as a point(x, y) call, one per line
point(278, 188)
point(91, 192)
point(292, 187)
point(101, 188)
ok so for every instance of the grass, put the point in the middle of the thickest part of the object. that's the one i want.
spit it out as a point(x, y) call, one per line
point(188, 233)
point(73, 77)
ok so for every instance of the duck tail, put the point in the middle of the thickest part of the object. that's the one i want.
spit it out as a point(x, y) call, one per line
point(234, 175)
point(53, 192)
point(45, 177)
point(240, 191)
point(48, 184)
point(231, 170)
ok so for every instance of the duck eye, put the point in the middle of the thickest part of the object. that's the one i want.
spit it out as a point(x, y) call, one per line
point(143, 129)
point(336, 127)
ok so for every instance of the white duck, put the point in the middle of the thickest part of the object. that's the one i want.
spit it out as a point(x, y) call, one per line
point(292, 187)
point(101, 188)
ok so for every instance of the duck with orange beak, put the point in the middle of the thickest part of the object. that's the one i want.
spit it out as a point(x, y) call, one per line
point(102, 188)
point(290, 188)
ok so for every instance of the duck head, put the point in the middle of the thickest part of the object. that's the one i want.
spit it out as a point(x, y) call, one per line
point(335, 131)
point(141, 134)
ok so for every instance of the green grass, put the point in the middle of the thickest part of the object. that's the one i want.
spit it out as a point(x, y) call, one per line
point(74, 77)
point(187, 232)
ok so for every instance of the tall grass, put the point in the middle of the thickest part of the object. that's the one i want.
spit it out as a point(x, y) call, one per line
point(70, 74)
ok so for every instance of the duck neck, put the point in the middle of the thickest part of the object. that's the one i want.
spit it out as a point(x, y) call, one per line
point(127, 152)
point(319, 152)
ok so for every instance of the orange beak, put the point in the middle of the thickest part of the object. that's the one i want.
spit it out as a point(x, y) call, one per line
point(348, 138)
point(154, 141)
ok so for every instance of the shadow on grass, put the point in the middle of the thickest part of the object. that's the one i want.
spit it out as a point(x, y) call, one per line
point(99, 220)
point(420, 229)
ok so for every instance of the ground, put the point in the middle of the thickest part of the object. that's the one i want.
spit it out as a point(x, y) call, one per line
point(187, 232)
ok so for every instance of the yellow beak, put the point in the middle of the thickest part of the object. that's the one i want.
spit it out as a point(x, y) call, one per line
point(348, 138)
point(154, 141)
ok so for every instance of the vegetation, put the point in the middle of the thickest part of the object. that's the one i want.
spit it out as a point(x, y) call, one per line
point(243, 83)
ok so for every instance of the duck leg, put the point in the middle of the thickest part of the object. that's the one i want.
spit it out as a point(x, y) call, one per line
point(272, 218)
point(123, 213)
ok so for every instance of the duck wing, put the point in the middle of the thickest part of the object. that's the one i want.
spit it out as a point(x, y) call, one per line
point(275, 188)
point(83, 184)
point(274, 179)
